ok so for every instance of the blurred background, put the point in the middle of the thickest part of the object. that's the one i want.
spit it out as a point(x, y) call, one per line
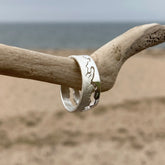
point(126, 128)
point(72, 24)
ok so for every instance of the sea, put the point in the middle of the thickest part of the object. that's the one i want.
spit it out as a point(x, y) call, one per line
point(61, 35)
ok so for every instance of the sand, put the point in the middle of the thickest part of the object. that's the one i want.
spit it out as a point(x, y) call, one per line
point(126, 128)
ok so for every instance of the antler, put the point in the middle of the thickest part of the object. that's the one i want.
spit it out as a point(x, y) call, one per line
point(111, 56)
point(29, 64)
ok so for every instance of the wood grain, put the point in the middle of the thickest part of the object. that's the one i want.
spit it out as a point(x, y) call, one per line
point(34, 65)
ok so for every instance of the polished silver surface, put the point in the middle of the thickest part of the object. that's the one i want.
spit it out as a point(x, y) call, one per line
point(88, 97)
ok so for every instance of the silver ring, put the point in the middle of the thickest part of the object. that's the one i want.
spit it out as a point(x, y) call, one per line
point(88, 97)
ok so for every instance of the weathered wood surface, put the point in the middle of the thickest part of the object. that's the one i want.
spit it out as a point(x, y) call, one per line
point(29, 64)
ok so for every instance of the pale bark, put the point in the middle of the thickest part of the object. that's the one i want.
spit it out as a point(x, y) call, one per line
point(29, 64)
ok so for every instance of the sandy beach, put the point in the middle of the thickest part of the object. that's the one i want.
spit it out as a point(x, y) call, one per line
point(126, 128)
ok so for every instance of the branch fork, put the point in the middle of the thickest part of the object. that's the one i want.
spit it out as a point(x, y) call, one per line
point(109, 58)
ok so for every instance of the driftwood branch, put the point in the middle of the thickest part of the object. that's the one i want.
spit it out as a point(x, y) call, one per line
point(29, 64)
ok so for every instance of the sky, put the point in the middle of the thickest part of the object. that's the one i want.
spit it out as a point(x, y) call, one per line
point(82, 10)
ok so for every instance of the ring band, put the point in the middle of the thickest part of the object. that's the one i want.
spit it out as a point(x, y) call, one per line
point(89, 95)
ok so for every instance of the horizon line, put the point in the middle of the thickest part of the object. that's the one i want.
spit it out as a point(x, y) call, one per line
point(118, 21)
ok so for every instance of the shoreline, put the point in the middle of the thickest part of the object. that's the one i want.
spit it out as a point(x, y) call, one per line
point(66, 52)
